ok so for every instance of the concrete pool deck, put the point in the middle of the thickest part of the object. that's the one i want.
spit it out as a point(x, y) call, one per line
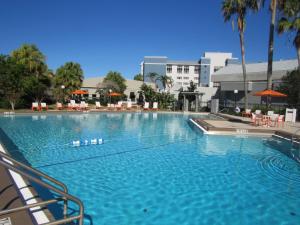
point(11, 198)
point(235, 125)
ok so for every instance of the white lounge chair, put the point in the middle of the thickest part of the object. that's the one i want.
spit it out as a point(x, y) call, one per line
point(44, 106)
point(83, 105)
point(35, 106)
point(72, 105)
point(247, 113)
point(129, 105)
point(59, 106)
point(258, 112)
point(155, 106)
point(98, 105)
point(119, 105)
point(146, 106)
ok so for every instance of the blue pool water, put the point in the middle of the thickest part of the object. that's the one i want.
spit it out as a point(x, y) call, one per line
point(157, 169)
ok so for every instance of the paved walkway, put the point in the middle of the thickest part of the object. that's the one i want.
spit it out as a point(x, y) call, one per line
point(10, 198)
point(233, 125)
point(288, 126)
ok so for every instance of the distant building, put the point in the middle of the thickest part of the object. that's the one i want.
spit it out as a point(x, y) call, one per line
point(230, 78)
point(91, 85)
point(183, 72)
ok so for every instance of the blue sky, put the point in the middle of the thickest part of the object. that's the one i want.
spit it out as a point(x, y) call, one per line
point(104, 35)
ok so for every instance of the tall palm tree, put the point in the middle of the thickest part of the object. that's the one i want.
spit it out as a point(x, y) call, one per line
point(290, 22)
point(273, 8)
point(32, 58)
point(152, 77)
point(237, 10)
point(70, 75)
point(165, 80)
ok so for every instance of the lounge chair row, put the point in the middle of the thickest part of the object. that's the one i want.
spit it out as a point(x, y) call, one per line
point(270, 119)
point(39, 107)
point(72, 105)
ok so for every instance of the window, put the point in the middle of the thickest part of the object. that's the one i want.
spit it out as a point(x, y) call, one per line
point(186, 83)
point(216, 84)
point(196, 69)
point(186, 69)
point(179, 69)
point(169, 68)
point(179, 78)
point(186, 78)
point(179, 83)
point(196, 78)
point(94, 95)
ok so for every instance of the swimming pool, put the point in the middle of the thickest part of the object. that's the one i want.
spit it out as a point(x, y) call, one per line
point(154, 168)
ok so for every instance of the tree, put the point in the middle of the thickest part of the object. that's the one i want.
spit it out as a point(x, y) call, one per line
point(31, 58)
point(152, 77)
point(70, 75)
point(165, 80)
point(290, 22)
point(11, 83)
point(192, 87)
point(273, 8)
point(149, 93)
point(291, 87)
point(36, 87)
point(138, 77)
point(237, 10)
point(117, 78)
point(36, 78)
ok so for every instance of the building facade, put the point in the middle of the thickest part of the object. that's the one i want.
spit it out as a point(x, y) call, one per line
point(92, 85)
point(183, 72)
point(230, 78)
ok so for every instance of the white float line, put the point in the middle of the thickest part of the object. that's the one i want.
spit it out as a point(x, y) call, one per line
point(40, 215)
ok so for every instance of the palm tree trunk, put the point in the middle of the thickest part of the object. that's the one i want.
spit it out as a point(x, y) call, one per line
point(244, 68)
point(298, 55)
point(12, 104)
point(271, 44)
point(297, 45)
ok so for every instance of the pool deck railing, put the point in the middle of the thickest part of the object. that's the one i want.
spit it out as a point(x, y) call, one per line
point(34, 175)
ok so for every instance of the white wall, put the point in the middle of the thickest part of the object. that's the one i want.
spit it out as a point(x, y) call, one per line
point(217, 59)
point(208, 92)
point(184, 82)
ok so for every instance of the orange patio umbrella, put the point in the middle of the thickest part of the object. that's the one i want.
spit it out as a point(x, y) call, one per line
point(270, 93)
point(114, 94)
point(80, 92)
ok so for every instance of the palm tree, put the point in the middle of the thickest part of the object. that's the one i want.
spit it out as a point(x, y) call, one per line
point(69, 75)
point(152, 77)
point(237, 9)
point(31, 57)
point(273, 8)
point(165, 80)
point(290, 22)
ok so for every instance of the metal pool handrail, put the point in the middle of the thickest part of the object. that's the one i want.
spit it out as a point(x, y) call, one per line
point(12, 164)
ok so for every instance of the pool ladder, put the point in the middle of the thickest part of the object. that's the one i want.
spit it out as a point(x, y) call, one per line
point(20, 168)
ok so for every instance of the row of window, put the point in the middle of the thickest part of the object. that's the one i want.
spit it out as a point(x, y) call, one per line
point(185, 83)
point(186, 78)
point(186, 69)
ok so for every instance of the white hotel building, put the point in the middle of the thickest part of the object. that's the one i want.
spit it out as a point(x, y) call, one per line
point(183, 72)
